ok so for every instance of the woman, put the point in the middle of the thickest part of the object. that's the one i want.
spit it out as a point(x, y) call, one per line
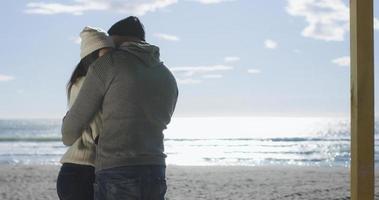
point(77, 174)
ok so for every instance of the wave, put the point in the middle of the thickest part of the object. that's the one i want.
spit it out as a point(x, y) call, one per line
point(282, 139)
point(290, 139)
point(274, 140)
point(30, 139)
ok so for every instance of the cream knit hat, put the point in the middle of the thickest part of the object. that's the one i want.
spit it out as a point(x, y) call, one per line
point(93, 39)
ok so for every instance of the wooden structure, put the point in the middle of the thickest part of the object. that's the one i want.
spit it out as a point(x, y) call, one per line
point(362, 99)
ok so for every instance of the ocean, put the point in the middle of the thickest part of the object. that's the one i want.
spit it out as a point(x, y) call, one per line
point(204, 141)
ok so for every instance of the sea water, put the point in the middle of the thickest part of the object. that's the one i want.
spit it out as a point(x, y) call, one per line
point(242, 141)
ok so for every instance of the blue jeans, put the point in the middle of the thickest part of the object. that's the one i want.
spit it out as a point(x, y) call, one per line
point(147, 182)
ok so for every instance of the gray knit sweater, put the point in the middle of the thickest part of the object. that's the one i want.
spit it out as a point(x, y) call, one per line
point(137, 95)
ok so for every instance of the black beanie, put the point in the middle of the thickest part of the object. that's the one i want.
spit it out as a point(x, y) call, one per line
point(130, 26)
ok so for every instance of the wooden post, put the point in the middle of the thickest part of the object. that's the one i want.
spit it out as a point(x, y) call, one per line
point(362, 99)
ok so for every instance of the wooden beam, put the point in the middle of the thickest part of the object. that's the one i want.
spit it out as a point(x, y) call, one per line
point(362, 99)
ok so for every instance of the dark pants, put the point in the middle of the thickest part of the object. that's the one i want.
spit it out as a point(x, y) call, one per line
point(75, 182)
point(145, 182)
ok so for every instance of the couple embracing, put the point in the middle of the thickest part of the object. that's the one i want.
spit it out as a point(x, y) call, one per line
point(121, 97)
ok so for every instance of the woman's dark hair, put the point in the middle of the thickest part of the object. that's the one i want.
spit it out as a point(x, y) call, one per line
point(130, 26)
point(81, 69)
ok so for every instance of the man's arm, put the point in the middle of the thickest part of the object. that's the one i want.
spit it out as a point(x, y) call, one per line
point(88, 102)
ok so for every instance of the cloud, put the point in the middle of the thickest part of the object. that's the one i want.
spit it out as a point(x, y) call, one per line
point(212, 76)
point(188, 81)
point(193, 70)
point(271, 44)
point(328, 20)
point(213, 1)
point(79, 7)
point(197, 74)
point(376, 23)
point(167, 37)
point(20, 91)
point(75, 40)
point(297, 51)
point(232, 59)
point(6, 77)
point(342, 61)
point(253, 71)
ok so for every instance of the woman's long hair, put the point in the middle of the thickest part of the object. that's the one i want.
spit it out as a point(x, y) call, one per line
point(81, 69)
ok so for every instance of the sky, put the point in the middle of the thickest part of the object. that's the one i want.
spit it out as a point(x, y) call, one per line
point(230, 57)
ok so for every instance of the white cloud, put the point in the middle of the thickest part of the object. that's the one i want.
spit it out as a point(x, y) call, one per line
point(327, 19)
point(197, 74)
point(342, 61)
point(376, 23)
point(212, 1)
point(212, 76)
point(271, 44)
point(188, 81)
point(79, 7)
point(232, 59)
point(253, 71)
point(192, 70)
point(6, 77)
point(75, 40)
point(167, 37)
point(297, 51)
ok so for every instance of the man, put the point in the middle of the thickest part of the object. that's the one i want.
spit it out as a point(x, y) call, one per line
point(137, 95)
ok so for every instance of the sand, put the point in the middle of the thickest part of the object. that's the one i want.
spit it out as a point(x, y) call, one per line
point(27, 182)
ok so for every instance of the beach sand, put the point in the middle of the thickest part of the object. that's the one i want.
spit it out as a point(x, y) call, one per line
point(27, 182)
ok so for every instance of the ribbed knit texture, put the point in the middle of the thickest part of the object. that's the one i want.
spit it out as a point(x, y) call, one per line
point(137, 94)
point(83, 151)
point(93, 39)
